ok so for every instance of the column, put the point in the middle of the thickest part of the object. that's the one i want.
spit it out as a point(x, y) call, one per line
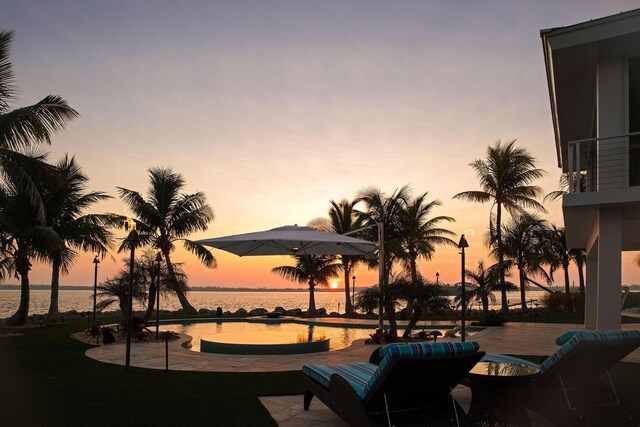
point(591, 289)
point(609, 269)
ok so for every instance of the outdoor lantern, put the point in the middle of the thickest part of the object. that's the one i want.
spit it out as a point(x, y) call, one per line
point(463, 244)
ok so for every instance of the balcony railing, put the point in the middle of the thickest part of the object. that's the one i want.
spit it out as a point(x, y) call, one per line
point(606, 163)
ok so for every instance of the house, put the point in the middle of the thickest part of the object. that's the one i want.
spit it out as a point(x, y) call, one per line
point(593, 74)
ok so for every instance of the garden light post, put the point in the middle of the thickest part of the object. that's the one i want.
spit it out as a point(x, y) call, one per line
point(96, 261)
point(463, 244)
point(133, 241)
point(381, 268)
point(158, 259)
point(353, 295)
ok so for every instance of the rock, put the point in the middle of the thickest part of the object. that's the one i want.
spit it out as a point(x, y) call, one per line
point(294, 312)
point(241, 312)
point(279, 309)
point(203, 312)
point(334, 314)
point(321, 311)
point(219, 312)
point(258, 312)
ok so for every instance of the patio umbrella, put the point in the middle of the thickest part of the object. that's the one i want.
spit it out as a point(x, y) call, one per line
point(291, 240)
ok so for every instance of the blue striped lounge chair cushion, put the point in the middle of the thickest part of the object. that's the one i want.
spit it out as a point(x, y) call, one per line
point(391, 352)
point(607, 335)
point(356, 374)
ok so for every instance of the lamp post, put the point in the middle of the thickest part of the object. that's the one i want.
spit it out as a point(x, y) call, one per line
point(437, 277)
point(96, 261)
point(158, 259)
point(381, 276)
point(353, 295)
point(133, 241)
point(463, 244)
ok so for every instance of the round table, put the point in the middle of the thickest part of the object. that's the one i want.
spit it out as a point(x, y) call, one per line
point(498, 391)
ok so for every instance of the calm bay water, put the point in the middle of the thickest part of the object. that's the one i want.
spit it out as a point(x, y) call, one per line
point(231, 301)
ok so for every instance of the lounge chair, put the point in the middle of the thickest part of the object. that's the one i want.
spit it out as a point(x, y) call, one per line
point(574, 387)
point(411, 384)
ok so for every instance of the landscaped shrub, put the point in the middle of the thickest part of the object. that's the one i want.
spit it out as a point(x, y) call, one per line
point(553, 302)
point(381, 336)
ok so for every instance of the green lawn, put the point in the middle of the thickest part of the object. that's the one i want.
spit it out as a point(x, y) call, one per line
point(45, 379)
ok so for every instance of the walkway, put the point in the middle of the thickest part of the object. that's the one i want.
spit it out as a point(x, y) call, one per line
point(513, 338)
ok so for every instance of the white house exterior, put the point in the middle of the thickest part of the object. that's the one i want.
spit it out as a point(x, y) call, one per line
point(593, 73)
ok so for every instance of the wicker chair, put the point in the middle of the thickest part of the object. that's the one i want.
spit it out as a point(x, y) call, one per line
point(411, 385)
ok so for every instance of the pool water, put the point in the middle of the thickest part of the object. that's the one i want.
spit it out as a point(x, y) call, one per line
point(264, 333)
point(276, 332)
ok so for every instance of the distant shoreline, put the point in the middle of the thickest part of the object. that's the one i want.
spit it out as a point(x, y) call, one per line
point(448, 289)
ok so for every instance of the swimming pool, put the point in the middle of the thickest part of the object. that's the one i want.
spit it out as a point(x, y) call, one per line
point(262, 331)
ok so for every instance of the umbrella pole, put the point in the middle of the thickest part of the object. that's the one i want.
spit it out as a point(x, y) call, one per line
point(380, 272)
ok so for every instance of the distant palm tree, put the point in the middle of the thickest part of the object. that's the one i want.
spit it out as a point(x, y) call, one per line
point(505, 176)
point(524, 245)
point(558, 257)
point(387, 210)
point(23, 127)
point(65, 203)
point(314, 270)
point(420, 234)
point(343, 219)
point(484, 281)
point(22, 236)
point(116, 290)
point(168, 217)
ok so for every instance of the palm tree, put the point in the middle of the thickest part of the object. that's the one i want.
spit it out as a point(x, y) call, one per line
point(168, 217)
point(23, 127)
point(505, 176)
point(22, 237)
point(420, 234)
point(116, 290)
point(425, 296)
point(314, 270)
point(343, 219)
point(524, 245)
point(65, 203)
point(558, 256)
point(387, 210)
point(564, 185)
point(485, 282)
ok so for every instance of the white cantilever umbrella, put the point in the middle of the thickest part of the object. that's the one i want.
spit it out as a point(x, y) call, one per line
point(291, 240)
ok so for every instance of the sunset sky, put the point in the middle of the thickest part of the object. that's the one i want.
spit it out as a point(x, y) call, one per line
point(272, 108)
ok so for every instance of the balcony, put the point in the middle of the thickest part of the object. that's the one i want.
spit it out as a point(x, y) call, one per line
point(601, 164)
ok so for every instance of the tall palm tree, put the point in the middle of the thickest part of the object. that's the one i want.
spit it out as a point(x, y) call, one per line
point(524, 240)
point(22, 237)
point(343, 219)
point(168, 216)
point(426, 297)
point(420, 234)
point(579, 257)
point(314, 270)
point(65, 203)
point(387, 210)
point(505, 176)
point(23, 127)
point(559, 257)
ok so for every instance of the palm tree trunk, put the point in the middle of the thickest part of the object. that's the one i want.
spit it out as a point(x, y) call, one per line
point(412, 322)
point(567, 289)
point(189, 310)
point(348, 308)
point(581, 278)
point(485, 309)
point(414, 280)
point(151, 303)
point(523, 282)
point(503, 286)
point(53, 316)
point(20, 316)
point(312, 300)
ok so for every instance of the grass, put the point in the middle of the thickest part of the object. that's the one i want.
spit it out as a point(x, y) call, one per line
point(47, 380)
